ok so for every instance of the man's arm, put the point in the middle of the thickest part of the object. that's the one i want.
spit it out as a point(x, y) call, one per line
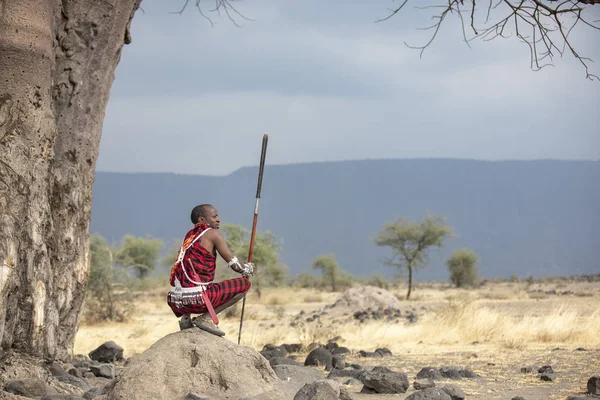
point(220, 244)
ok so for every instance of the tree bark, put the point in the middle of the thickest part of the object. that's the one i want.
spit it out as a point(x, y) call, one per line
point(57, 63)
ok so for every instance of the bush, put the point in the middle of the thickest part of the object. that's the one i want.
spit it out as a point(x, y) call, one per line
point(103, 302)
point(463, 268)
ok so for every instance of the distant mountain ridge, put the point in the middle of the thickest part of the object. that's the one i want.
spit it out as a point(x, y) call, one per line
point(521, 217)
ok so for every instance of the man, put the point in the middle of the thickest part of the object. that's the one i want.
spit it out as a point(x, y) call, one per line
point(193, 290)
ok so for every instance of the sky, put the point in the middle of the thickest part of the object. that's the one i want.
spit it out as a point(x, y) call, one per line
point(327, 82)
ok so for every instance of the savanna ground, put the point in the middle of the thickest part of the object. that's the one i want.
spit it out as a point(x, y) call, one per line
point(494, 330)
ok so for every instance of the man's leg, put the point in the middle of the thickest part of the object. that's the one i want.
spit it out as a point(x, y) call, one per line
point(225, 305)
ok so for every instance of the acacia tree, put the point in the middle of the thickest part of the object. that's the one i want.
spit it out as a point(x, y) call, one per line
point(329, 268)
point(545, 26)
point(139, 253)
point(410, 242)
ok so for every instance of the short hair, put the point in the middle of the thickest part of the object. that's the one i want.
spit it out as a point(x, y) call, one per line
point(200, 211)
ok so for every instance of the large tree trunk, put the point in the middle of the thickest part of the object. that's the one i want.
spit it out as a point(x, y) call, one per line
point(57, 63)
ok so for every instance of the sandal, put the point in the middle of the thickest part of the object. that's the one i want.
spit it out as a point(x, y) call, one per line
point(185, 322)
point(207, 326)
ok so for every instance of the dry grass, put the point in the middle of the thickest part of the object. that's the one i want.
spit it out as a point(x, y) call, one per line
point(454, 317)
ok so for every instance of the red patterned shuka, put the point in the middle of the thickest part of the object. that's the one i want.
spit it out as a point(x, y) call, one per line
point(194, 272)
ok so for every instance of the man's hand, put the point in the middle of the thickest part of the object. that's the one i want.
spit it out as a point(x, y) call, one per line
point(248, 270)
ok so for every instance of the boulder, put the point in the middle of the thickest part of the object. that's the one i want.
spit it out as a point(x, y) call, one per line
point(347, 372)
point(194, 361)
point(104, 370)
point(433, 393)
point(61, 397)
point(454, 392)
point(425, 383)
point(283, 361)
point(383, 380)
point(450, 373)
point(429, 372)
point(340, 350)
point(593, 385)
point(319, 357)
point(548, 376)
point(319, 390)
point(297, 376)
point(28, 388)
point(338, 362)
point(107, 352)
point(546, 368)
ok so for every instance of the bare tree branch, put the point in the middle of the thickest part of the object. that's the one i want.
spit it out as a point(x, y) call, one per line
point(550, 23)
point(220, 5)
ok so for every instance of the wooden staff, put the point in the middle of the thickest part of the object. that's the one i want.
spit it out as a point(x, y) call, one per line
point(261, 169)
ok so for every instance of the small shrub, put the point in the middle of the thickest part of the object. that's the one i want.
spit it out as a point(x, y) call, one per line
point(463, 268)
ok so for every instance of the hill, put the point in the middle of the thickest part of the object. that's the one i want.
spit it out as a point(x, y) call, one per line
point(521, 217)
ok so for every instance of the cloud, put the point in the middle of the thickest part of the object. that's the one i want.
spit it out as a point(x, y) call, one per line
point(329, 84)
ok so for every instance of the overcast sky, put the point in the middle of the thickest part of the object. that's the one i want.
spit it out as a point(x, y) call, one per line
point(328, 83)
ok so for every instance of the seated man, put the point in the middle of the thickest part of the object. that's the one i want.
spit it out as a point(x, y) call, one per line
point(193, 290)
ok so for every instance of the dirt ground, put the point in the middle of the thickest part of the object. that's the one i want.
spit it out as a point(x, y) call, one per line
point(497, 330)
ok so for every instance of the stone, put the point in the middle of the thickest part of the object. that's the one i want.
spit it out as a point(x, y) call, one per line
point(433, 393)
point(283, 361)
point(385, 352)
point(518, 398)
point(107, 352)
point(77, 372)
point(455, 392)
point(545, 368)
point(60, 397)
point(527, 370)
point(345, 394)
point(425, 383)
point(94, 392)
point(104, 370)
point(338, 362)
point(292, 348)
point(319, 357)
point(468, 373)
point(548, 376)
point(319, 390)
point(212, 365)
point(194, 396)
point(56, 369)
point(28, 388)
point(383, 380)
point(75, 381)
point(593, 385)
point(89, 375)
point(450, 373)
point(429, 372)
point(340, 350)
point(347, 372)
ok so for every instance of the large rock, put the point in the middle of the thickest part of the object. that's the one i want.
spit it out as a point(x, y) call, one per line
point(320, 390)
point(360, 298)
point(194, 361)
point(383, 380)
point(107, 352)
point(455, 392)
point(433, 393)
point(319, 357)
point(297, 376)
point(593, 385)
point(29, 388)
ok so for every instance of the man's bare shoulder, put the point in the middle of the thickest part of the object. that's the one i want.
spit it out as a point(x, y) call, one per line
point(213, 234)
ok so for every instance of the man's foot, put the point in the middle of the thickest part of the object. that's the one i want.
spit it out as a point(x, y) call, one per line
point(207, 326)
point(185, 322)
